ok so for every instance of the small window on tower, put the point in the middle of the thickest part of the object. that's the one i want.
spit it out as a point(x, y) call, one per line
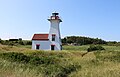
point(52, 17)
point(53, 37)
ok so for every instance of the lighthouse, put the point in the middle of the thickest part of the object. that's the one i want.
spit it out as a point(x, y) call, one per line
point(54, 33)
point(52, 40)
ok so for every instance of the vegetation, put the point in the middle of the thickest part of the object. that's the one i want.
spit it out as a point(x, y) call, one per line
point(15, 42)
point(49, 65)
point(18, 60)
point(95, 47)
point(69, 40)
point(43, 63)
point(78, 40)
point(21, 61)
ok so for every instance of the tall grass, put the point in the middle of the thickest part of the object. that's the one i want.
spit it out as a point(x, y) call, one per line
point(43, 63)
point(23, 62)
point(102, 64)
point(76, 48)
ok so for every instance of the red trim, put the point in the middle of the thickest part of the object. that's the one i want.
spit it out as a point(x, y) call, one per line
point(37, 44)
point(53, 34)
point(56, 17)
point(52, 45)
point(52, 17)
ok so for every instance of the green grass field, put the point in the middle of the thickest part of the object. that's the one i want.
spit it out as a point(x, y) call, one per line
point(72, 61)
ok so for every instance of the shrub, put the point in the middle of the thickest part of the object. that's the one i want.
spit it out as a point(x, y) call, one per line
point(42, 60)
point(34, 60)
point(12, 56)
point(94, 48)
point(65, 70)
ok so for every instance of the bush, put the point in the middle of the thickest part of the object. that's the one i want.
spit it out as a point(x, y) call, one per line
point(42, 60)
point(94, 48)
point(68, 69)
point(12, 56)
point(34, 60)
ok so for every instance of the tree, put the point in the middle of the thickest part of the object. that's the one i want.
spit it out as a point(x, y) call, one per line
point(82, 40)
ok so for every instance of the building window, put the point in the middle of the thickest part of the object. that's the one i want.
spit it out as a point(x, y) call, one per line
point(52, 47)
point(53, 37)
point(37, 46)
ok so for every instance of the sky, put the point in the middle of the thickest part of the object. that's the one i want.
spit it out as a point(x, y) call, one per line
point(90, 18)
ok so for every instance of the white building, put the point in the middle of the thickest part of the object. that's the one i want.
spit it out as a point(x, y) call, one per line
point(51, 41)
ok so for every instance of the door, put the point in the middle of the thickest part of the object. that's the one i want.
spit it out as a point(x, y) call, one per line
point(52, 47)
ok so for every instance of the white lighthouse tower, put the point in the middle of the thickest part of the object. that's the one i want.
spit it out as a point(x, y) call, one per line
point(51, 41)
point(54, 33)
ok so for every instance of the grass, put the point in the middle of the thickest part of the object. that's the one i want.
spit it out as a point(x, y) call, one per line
point(21, 61)
point(76, 48)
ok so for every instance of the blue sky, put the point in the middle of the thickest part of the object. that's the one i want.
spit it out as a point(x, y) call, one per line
point(91, 18)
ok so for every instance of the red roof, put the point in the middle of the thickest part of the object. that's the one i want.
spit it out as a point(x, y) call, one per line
point(40, 37)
